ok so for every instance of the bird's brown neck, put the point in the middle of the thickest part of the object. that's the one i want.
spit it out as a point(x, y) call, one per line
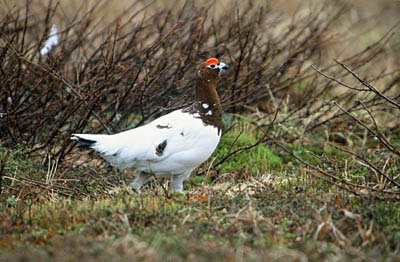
point(207, 105)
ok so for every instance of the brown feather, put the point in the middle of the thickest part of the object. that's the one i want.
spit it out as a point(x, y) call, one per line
point(206, 93)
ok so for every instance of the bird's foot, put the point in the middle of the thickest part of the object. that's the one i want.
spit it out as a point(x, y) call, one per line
point(177, 185)
point(132, 190)
point(139, 181)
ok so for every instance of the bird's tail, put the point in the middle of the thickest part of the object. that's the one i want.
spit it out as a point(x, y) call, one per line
point(104, 144)
point(86, 140)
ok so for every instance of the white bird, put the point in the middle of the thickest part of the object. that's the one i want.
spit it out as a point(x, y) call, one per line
point(51, 41)
point(172, 145)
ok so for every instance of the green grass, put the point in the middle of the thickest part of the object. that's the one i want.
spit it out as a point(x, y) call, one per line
point(260, 158)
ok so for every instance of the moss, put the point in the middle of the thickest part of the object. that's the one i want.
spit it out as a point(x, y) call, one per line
point(258, 159)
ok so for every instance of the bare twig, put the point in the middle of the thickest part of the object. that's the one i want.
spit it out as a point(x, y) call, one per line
point(370, 87)
point(368, 163)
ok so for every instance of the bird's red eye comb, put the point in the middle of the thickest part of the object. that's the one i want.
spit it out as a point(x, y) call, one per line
point(212, 61)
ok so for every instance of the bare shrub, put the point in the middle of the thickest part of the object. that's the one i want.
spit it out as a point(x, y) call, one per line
point(110, 77)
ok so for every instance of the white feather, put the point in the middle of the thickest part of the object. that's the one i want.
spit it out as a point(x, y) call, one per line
point(189, 143)
point(51, 41)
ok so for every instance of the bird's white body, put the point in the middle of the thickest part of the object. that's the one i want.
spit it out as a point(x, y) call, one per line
point(189, 143)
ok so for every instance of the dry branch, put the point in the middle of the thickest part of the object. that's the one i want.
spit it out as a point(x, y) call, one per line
point(106, 78)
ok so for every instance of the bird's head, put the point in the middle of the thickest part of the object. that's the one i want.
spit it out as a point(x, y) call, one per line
point(212, 68)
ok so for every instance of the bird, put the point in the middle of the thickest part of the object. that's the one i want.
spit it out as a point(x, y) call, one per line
point(173, 145)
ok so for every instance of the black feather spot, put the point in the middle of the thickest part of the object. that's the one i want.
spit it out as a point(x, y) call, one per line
point(160, 148)
point(162, 127)
point(85, 141)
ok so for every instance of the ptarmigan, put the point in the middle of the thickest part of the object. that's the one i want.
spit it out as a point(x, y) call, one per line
point(172, 145)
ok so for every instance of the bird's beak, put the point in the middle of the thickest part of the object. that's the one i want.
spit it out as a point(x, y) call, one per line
point(222, 67)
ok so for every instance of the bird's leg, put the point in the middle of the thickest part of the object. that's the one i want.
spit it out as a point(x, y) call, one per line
point(177, 183)
point(139, 181)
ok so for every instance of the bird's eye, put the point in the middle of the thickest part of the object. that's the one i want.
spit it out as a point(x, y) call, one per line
point(212, 66)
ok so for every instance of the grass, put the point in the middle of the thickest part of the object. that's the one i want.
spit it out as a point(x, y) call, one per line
point(222, 226)
point(261, 156)
point(278, 212)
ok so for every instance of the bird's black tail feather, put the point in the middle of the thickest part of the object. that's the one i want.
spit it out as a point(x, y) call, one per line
point(85, 143)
